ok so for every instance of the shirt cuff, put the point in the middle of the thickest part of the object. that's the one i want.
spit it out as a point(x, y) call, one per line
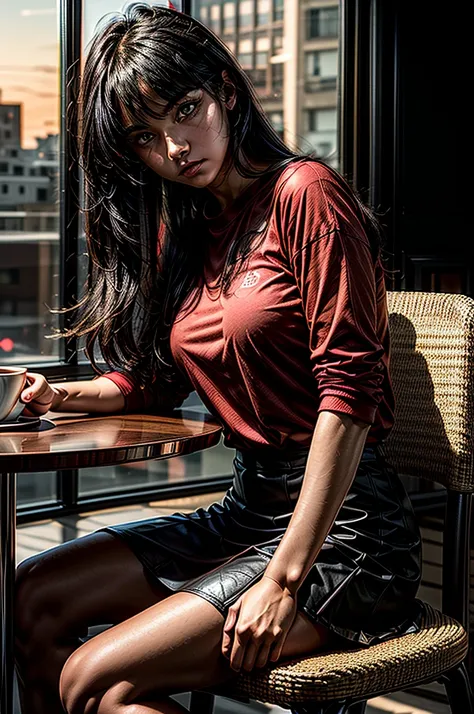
point(359, 410)
point(133, 395)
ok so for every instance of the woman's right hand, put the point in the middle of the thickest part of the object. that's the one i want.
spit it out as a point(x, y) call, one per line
point(39, 396)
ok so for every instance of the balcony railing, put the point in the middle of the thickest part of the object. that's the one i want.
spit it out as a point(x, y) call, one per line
point(320, 84)
point(30, 225)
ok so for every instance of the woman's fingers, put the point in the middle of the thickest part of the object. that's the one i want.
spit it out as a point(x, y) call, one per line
point(37, 395)
point(277, 649)
point(239, 646)
point(228, 634)
point(249, 652)
point(37, 385)
point(257, 625)
point(249, 656)
point(263, 654)
point(31, 381)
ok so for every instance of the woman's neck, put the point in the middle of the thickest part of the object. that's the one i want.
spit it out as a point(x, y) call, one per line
point(226, 188)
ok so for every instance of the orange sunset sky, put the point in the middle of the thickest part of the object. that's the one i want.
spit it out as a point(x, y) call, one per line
point(29, 59)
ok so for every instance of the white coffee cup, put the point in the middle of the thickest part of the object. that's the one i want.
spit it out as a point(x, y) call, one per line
point(12, 383)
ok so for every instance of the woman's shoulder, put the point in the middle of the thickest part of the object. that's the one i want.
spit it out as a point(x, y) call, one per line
point(311, 186)
point(312, 193)
point(304, 172)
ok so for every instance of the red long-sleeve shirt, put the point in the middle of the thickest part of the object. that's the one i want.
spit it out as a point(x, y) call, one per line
point(304, 327)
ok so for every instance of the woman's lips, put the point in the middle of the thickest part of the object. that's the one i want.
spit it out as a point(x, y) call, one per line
point(193, 169)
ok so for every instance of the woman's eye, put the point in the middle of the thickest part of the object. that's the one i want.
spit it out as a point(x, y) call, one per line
point(188, 109)
point(143, 139)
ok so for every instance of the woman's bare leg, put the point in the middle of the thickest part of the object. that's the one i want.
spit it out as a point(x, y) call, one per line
point(94, 580)
point(173, 646)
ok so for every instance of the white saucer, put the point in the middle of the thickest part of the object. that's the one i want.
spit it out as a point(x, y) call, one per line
point(20, 424)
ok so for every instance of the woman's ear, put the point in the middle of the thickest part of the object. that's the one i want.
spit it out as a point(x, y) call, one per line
point(229, 93)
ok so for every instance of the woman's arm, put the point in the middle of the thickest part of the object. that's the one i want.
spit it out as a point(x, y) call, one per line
point(330, 256)
point(335, 453)
point(96, 395)
point(258, 623)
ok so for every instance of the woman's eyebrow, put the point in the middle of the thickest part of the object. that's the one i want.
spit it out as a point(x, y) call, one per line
point(168, 108)
point(134, 127)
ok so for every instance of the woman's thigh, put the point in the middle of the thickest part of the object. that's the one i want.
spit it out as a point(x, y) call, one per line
point(94, 580)
point(174, 646)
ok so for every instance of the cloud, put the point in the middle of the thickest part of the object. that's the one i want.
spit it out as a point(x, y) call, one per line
point(46, 69)
point(28, 90)
point(41, 11)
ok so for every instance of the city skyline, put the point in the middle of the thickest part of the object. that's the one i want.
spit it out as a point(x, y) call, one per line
point(29, 60)
point(29, 65)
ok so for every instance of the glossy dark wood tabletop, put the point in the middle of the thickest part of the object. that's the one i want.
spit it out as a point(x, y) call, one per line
point(104, 440)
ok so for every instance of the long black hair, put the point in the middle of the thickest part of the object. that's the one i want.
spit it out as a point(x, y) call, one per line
point(132, 298)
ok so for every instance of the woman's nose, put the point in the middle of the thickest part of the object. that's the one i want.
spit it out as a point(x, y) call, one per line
point(176, 149)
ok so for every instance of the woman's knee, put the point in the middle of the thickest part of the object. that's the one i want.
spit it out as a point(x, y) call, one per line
point(94, 580)
point(41, 608)
point(80, 688)
point(49, 588)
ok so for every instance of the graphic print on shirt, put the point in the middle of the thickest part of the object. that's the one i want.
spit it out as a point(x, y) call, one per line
point(251, 279)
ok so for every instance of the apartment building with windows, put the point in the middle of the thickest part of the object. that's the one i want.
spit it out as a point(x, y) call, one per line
point(289, 49)
point(29, 238)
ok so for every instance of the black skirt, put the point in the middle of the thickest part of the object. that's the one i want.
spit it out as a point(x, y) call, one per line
point(363, 583)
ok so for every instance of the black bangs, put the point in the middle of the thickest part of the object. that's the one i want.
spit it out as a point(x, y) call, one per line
point(150, 73)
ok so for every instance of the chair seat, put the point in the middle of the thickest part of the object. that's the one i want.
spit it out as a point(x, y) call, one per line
point(440, 644)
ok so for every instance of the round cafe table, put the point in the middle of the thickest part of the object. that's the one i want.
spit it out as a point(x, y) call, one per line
point(78, 442)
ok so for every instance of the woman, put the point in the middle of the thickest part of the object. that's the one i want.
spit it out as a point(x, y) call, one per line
point(268, 299)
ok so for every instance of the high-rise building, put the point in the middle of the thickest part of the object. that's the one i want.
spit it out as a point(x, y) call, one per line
point(289, 49)
point(29, 238)
point(10, 125)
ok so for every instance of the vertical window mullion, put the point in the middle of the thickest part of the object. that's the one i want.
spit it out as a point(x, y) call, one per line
point(70, 18)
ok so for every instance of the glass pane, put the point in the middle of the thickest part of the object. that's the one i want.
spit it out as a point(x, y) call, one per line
point(209, 463)
point(36, 488)
point(290, 53)
point(29, 181)
point(213, 462)
point(166, 472)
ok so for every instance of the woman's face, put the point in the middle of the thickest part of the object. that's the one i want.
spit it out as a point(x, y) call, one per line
point(188, 145)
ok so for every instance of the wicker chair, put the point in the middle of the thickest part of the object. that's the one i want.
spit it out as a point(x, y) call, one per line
point(432, 367)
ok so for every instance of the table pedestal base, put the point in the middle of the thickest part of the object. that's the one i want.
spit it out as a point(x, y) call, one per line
point(7, 582)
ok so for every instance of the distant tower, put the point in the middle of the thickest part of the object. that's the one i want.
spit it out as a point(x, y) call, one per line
point(10, 125)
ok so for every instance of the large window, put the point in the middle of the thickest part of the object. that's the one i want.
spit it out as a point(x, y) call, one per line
point(29, 160)
point(229, 18)
point(29, 136)
point(246, 12)
point(292, 61)
point(322, 22)
point(321, 132)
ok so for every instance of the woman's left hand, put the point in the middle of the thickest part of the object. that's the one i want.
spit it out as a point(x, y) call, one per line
point(257, 625)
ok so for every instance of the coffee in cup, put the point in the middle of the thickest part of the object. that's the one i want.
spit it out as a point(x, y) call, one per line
point(12, 383)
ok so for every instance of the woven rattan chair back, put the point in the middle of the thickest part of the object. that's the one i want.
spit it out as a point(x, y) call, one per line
point(432, 369)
